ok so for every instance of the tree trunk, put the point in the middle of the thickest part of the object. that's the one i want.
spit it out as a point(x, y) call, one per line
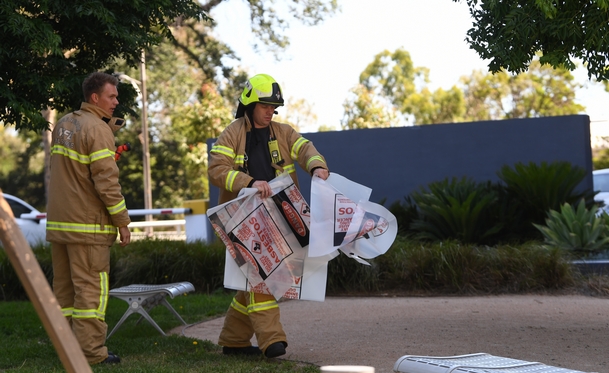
point(51, 116)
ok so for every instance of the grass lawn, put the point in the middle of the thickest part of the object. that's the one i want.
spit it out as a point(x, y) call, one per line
point(26, 347)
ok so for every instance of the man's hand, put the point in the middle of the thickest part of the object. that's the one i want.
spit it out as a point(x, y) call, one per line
point(322, 173)
point(263, 187)
point(125, 235)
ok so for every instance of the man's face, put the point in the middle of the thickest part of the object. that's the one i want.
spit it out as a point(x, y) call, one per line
point(107, 99)
point(263, 114)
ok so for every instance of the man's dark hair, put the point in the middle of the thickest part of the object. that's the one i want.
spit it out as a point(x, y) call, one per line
point(95, 82)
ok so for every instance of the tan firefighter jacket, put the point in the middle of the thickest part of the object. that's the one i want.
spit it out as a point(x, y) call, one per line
point(227, 156)
point(85, 204)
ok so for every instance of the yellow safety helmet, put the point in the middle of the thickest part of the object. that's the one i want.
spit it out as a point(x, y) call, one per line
point(262, 88)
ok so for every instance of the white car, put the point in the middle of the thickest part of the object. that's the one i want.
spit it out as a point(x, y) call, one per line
point(600, 181)
point(32, 222)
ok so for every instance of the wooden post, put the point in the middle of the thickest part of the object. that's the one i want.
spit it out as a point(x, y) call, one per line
point(39, 291)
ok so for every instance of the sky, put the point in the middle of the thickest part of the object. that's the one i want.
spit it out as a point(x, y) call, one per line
point(323, 62)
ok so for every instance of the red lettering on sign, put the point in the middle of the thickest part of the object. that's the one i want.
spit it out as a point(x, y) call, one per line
point(246, 254)
point(273, 254)
point(345, 210)
point(294, 219)
point(226, 240)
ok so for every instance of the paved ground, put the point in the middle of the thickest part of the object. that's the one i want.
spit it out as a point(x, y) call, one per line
point(564, 331)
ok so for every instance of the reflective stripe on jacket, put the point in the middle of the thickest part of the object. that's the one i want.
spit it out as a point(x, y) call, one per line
point(227, 156)
point(85, 204)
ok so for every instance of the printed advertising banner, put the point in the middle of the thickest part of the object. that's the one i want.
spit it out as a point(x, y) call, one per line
point(267, 241)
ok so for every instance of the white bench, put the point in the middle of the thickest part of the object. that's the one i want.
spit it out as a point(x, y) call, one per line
point(473, 363)
point(142, 298)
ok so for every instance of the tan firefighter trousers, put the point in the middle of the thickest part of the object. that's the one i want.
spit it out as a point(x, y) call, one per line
point(80, 283)
point(251, 313)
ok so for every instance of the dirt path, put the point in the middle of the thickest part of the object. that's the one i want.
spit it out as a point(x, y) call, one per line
point(564, 331)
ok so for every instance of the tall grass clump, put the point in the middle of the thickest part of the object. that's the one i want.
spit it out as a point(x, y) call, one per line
point(451, 267)
point(347, 276)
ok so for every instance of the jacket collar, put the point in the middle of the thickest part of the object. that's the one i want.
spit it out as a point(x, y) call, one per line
point(115, 123)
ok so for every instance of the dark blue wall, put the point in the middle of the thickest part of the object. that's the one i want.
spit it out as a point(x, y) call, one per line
point(394, 162)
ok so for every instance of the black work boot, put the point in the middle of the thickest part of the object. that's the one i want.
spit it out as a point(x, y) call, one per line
point(275, 349)
point(111, 359)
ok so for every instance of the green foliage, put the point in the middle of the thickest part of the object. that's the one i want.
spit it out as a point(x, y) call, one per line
point(489, 213)
point(439, 106)
point(392, 87)
point(510, 33)
point(411, 266)
point(364, 110)
point(145, 261)
point(10, 285)
point(538, 188)
point(392, 75)
point(48, 47)
point(25, 179)
point(601, 159)
point(11, 147)
point(461, 210)
point(405, 213)
point(348, 275)
point(162, 262)
point(540, 91)
point(575, 229)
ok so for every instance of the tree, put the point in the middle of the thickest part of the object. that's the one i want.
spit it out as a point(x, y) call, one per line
point(439, 106)
point(10, 149)
point(392, 82)
point(193, 81)
point(182, 68)
point(192, 97)
point(393, 77)
point(298, 113)
point(25, 179)
point(365, 110)
point(48, 47)
point(511, 33)
point(540, 91)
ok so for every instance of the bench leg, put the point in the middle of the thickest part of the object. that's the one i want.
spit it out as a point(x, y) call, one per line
point(143, 313)
point(120, 322)
point(170, 308)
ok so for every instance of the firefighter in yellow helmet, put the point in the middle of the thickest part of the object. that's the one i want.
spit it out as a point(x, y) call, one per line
point(251, 151)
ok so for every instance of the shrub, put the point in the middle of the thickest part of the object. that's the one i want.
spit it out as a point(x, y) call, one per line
point(536, 189)
point(577, 230)
point(410, 266)
point(405, 213)
point(451, 267)
point(10, 285)
point(162, 261)
point(141, 262)
point(346, 275)
point(462, 210)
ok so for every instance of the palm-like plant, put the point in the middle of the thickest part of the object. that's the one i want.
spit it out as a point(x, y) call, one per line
point(579, 230)
point(454, 209)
